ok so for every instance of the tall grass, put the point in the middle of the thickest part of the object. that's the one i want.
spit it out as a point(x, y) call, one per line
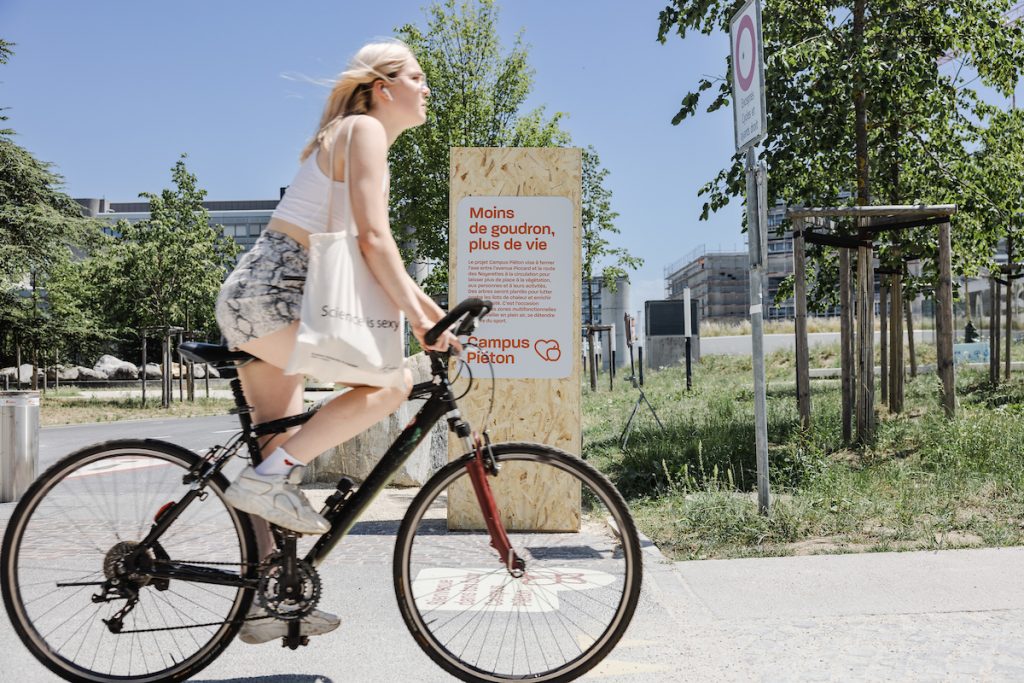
point(925, 482)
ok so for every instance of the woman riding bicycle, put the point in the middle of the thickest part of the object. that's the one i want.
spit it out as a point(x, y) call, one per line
point(382, 93)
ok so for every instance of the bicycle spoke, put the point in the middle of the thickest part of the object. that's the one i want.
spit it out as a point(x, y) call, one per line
point(578, 590)
point(75, 530)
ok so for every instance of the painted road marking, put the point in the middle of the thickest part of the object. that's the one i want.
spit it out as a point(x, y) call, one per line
point(112, 465)
point(476, 590)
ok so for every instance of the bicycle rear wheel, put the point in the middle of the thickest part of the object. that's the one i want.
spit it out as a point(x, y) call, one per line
point(582, 579)
point(70, 531)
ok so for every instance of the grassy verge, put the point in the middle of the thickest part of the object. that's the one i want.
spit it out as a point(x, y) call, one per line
point(927, 482)
point(66, 407)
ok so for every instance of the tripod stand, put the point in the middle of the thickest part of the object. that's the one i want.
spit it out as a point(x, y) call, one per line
point(636, 406)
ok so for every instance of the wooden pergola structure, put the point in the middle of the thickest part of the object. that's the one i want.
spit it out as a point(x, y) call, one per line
point(871, 221)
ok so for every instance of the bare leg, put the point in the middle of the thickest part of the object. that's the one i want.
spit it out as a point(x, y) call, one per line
point(274, 395)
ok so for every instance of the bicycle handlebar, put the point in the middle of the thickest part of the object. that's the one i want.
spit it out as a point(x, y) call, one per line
point(476, 308)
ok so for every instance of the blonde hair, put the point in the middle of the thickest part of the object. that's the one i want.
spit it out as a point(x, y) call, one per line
point(353, 91)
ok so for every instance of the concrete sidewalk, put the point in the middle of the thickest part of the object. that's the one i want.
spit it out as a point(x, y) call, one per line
point(922, 616)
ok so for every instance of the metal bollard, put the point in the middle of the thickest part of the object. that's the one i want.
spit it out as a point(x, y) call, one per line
point(19, 442)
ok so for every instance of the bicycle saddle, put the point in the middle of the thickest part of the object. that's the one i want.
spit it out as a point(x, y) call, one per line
point(215, 354)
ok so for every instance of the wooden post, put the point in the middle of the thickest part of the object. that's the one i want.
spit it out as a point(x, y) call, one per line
point(993, 336)
point(846, 343)
point(909, 311)
point(143, 373)
point(883, 338)
point(896, 367)
point(165, 380)
point(866, 344)
point(1009, 303)
point(181, 374)
point(944, 318)
point(803, 381)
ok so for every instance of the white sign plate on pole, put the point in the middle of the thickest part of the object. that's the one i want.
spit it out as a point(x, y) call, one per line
point(518, 253)
point(687, 323)
point(749, 110)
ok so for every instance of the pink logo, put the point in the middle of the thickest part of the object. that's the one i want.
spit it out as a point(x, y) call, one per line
point(548, 349)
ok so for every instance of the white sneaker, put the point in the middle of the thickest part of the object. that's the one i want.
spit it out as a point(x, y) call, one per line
point(277, 499)
point(265, 628)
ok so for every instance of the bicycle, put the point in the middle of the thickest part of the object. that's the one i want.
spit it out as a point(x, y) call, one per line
point(122, 562)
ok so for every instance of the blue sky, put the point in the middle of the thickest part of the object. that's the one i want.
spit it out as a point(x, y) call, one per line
point(112, 92)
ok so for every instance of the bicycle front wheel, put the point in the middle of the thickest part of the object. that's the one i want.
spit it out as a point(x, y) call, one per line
point(582, 579)
point(66, 544)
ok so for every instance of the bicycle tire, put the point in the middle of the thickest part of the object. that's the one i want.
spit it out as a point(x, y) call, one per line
point(442, 591)
point(58, 535)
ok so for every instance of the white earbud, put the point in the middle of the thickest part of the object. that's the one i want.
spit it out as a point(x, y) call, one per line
point(387, 93)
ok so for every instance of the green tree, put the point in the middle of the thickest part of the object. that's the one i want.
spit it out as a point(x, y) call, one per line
point(598, 223)
point(167, 269)
point(42, 233)
point(477, 93)
point(857, 103)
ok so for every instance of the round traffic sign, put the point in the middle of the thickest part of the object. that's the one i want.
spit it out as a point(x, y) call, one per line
point(744, 59)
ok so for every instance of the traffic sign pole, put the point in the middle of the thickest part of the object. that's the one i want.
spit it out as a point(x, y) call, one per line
point(750, 119)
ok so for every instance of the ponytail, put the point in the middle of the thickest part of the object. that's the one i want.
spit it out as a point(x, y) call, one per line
point(353, 91)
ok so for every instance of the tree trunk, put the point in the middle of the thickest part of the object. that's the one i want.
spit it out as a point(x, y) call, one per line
point(883, 338)
point(803, 384)
point(993, 331)
point(865, 270)
point(944, 320)
point(847, 344)
point(896, 369)
point(866, 346)
point(909, 310)
point(1009, 303)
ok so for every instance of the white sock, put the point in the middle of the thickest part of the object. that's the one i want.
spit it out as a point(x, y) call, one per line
point(278, 462)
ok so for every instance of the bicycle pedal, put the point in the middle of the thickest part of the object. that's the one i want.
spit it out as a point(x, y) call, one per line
point(294, 643)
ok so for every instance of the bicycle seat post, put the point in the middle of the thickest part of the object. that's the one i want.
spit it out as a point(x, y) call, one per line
point(244, 412)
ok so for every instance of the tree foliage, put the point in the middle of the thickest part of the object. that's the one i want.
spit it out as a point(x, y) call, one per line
point(165, 270)
point(43, 236)
point(920, 121)
point(477, 93)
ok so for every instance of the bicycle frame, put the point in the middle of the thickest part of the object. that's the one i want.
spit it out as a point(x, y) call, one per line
point(345, 510)
point(343, 517)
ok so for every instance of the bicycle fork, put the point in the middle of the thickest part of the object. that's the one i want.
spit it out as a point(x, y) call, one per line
point(478, 468)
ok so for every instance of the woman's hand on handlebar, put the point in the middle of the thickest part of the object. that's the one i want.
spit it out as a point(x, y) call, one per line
point(445, 342)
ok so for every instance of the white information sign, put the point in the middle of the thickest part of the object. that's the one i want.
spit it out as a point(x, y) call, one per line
point(749, 110)
point(518, 253)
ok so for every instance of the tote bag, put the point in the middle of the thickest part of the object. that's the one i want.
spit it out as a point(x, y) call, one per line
point(350, 331)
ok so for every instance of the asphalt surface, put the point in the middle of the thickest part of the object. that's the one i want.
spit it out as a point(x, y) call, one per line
point(955, 615)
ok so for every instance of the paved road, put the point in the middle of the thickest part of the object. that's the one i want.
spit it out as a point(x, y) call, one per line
point(196, 433)
point(922, 616)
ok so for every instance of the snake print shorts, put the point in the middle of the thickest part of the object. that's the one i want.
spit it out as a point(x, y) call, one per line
point(264, 291)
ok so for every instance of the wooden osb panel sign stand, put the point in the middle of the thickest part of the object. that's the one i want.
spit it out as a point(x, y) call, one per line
point(514, 238)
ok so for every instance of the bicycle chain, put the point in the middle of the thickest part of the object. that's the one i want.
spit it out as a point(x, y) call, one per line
point(204, 562)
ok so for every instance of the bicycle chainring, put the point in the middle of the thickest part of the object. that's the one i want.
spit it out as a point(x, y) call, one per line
point(273, 596)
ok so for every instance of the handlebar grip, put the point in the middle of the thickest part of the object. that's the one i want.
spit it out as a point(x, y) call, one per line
point(476, 307)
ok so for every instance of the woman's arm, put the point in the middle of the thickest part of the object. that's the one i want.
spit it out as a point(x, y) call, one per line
point(368, 157)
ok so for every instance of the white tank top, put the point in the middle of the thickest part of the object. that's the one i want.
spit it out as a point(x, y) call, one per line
point(306, 200)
